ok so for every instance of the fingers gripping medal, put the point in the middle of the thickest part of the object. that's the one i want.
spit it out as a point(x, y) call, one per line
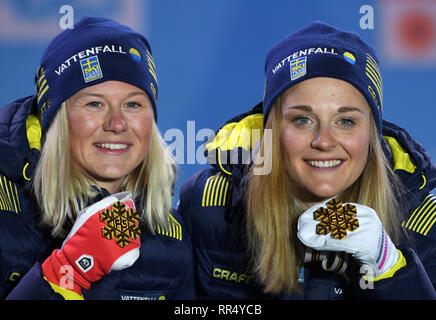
point(104, 237)
point(116, 234)
point(336, 219)
point(352, 228)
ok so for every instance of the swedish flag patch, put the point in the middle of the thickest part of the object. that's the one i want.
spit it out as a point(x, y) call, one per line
point(298, 67)
point(91, 69)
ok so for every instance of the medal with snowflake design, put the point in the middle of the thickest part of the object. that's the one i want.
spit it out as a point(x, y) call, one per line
point(336, 219)
point(121, 224)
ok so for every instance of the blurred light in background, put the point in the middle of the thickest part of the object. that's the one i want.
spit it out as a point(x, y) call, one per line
point(408, 33)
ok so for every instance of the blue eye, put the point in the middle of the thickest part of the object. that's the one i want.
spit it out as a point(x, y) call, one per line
point(133, 105)
point(347, 123)
point(301, 121)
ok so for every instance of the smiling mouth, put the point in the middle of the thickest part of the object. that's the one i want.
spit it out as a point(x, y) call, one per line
point(324, 164)
point(112, 146)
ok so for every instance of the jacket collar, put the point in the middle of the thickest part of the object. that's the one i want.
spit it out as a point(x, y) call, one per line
point(17, 125)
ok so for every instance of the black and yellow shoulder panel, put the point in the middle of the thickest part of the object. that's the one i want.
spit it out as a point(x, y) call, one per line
point(174, 229)
point(9, 199)
point(217, 190)
point(424, 217)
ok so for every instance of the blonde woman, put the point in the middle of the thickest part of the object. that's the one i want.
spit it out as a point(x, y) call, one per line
point(94, 198)
point(335, 203)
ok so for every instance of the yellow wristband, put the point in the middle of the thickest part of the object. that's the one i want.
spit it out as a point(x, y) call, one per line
point(67, 294)
point(401, 262)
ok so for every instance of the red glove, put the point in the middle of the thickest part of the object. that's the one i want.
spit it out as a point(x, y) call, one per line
point(104, 237)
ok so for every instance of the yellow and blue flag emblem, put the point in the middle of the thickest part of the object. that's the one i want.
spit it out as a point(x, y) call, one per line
point(135, 54)
point(298, 67)
point(91, 69)
point(349, 57)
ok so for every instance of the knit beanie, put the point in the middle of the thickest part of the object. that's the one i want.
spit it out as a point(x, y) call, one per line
point(320, 50)
point(94, 51)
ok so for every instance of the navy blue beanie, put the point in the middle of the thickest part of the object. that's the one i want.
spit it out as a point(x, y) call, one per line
point(320, 50)
point(94, 51)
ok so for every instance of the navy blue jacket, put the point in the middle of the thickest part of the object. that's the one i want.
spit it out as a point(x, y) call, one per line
point(211, 204)
point(164, 269)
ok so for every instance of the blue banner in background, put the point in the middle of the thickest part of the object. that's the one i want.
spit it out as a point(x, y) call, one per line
point(210, 55)
point(33, 21)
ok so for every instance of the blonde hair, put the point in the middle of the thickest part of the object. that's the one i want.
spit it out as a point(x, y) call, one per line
point(57, 180)
point(273, 210)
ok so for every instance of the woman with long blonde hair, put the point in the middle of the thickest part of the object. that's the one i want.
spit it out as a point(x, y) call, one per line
point(324, 208)
point(93, 204)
